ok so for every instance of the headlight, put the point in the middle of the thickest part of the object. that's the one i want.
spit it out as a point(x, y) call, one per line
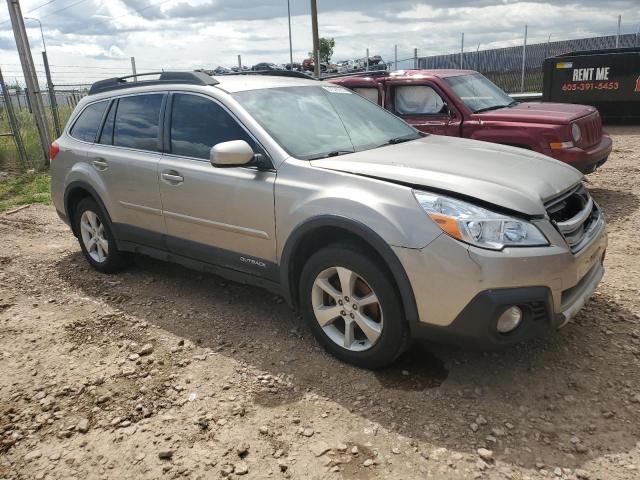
point(479, 226)
point(576, 134)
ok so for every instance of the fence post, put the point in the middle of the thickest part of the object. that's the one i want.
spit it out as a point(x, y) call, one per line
point(524, 58)
point(52, 96)
point(415, 58)
point(462, 52)
point(367, 69)
point(13, 122)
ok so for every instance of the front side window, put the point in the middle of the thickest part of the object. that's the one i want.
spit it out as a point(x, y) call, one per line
point(86, 126)
point(369, 93)
point(417, 100)
point(198, 123)
point(138, 122)
point(316, 121)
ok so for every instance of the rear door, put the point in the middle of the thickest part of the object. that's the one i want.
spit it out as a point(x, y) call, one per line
point(223, 216)
point(424, 107)
point(126, 156)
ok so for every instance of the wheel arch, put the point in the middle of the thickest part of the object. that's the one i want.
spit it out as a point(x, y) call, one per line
point(74, 193)
point(325, 230)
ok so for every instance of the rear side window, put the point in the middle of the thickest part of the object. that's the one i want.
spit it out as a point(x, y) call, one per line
point(369, 93)
point(418, 100)
point(86, 126)
point(138, 122)
point(197, 124)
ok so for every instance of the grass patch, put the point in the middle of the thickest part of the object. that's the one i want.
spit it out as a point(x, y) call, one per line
point(24, 189)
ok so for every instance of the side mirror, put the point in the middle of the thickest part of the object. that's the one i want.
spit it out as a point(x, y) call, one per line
point(231, 154)
point(446, 109)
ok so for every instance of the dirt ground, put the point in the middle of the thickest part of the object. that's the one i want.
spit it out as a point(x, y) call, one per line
point(160, 372)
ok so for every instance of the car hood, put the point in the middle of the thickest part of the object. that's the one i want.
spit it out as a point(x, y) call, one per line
point(508, 177)
point(538, 112)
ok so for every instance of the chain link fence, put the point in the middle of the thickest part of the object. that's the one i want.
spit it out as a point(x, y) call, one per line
point(504, 66)
point(13, 157)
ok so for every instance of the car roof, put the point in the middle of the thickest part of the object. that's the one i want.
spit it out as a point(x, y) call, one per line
point(239, 83)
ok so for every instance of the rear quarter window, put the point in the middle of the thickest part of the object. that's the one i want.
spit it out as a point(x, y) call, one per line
point(86, 126)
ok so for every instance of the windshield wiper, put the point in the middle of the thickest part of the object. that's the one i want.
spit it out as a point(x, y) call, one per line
point(335, 153)
point(495, 107)
point(396, 140)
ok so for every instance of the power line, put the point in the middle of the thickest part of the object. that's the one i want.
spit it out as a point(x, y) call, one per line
point(55, 12)
point(132, 13)
point(40, 6)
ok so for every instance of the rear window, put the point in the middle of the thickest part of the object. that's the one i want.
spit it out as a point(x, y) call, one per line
point(138, 122)
point(86, 126)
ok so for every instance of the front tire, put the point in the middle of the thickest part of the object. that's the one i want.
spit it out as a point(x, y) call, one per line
point(96, 238)
point(352, 307)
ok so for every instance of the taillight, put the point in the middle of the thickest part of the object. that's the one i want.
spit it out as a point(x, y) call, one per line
point(54, 149)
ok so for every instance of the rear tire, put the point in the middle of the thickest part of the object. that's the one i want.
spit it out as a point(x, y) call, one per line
point(352, 307)
point(96, 238)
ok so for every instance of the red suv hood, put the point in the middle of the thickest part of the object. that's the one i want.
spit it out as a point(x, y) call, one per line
point(538, 112)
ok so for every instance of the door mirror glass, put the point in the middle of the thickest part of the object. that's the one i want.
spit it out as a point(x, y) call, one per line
point(231, 154)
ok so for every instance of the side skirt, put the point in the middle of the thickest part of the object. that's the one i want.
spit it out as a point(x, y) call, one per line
point(233, 275)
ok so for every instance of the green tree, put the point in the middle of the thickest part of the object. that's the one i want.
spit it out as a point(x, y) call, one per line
point(326, 49)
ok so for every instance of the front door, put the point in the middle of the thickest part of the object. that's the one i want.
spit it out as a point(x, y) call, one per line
point(423, 107)
point(223, 216)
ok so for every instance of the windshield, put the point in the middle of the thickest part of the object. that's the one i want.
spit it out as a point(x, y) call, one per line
point(478, 93)
point(319, 121)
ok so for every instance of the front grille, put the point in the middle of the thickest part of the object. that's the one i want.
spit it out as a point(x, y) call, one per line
point(591, 128)
point(576, 216)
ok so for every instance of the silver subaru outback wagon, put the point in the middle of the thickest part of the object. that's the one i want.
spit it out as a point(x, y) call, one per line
point(375, 232)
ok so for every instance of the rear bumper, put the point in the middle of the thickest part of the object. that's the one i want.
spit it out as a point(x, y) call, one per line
point(461, 291)
point(584, 159)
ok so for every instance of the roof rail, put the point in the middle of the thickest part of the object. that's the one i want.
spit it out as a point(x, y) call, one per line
point(370, 73)
point(275, 73)
point(192, 78)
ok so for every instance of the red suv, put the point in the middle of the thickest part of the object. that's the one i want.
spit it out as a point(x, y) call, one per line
point(463, 103)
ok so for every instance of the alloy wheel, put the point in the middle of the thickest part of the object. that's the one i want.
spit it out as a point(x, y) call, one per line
point(94, 236)
point(347, 308)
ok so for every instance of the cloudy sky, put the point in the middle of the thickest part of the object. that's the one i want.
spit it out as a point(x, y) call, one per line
point(90, 39)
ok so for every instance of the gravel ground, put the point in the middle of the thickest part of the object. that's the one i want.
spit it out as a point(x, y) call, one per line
point(160, 372)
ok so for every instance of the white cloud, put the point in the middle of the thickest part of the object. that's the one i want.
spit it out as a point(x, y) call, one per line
point(96, 38)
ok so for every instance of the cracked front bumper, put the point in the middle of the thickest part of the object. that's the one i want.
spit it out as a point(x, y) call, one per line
point(461, 290)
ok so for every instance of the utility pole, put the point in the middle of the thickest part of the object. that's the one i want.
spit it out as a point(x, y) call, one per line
point(290, 44)
point(367, 53)
point(316, 40)
point(133, 68)
point(30, 77)
point(618, 35)
point(240, 62)
point(395, 57)
point(524, 58)
point(462, 52)
point(415, 58)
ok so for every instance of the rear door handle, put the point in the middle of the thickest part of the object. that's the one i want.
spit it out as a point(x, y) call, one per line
point(172, 177)
point(100, 163)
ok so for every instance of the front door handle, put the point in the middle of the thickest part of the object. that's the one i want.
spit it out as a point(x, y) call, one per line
point(172, 177)
point(100, 163)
